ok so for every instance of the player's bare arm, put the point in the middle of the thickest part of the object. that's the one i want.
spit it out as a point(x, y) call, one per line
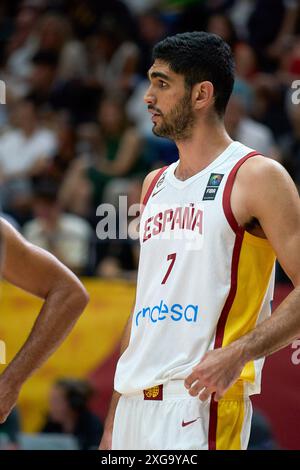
point(40, 274)
point(263, 191)
point(105, 443)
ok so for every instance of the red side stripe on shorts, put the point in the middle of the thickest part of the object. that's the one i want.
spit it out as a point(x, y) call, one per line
point(239, 231)
point(152, 185)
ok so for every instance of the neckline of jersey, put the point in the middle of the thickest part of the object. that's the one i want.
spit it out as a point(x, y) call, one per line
point(217, 161)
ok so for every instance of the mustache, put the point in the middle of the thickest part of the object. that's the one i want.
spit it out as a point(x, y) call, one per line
point(154, 109)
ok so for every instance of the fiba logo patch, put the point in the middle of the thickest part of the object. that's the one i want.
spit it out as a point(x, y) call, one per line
point(212, 186)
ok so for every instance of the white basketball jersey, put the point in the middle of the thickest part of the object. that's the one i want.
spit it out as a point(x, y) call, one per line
point(203, 281)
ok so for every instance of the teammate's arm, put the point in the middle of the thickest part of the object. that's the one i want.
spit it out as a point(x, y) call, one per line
point(106, 440)
point(41, 274)
point(271, 197)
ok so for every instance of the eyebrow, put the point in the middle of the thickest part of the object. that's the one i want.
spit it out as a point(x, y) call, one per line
point(159, 75)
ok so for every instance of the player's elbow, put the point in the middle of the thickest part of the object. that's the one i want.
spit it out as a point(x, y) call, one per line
point(73, 292)
point(81, 296)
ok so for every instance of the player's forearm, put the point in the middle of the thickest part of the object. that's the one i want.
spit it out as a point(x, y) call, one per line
point(61, 309)
point(273, 334)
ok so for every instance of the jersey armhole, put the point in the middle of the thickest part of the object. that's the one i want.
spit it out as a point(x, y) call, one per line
point(228, 190)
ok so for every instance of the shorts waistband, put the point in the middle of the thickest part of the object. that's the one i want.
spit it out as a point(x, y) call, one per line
point(161, 392)
point(176, 388)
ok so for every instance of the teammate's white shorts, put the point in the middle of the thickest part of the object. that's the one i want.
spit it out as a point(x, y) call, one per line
point(167, 417)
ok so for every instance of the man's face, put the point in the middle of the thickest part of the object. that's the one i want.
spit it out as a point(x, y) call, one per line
point(169, 102)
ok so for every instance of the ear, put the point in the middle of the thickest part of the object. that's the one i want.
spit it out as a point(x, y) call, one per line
point(203, 95)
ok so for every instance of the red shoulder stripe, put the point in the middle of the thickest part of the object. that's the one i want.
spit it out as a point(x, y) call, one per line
point(152, 185)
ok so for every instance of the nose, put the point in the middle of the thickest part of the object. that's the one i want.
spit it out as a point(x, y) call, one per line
point(149, 98)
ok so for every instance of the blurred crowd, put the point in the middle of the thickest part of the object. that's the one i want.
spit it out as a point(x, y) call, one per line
point(75, 133)
point(69, 424)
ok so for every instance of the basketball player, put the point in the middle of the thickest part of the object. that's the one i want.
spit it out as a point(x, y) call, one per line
point(212, 226)
point(40, 274)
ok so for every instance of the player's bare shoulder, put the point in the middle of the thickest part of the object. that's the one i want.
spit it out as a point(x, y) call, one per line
point(263, 178)
point(262, 186)
point(260, 169)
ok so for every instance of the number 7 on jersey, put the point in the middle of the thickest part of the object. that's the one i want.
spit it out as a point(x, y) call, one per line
point(171, 257)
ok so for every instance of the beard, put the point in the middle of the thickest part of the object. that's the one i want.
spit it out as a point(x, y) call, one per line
point(178, 123)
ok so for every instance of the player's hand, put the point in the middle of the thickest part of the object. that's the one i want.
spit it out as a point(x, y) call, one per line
point(8, 398)
point(106, 441)
point(216, 372)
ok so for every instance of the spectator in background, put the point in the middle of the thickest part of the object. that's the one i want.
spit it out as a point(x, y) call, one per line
point(152, 29)
point(268, 104)
point(66, 236)
point(113, 58)
point(290, 144)
point(119, 258)
point(9, 432)
point(85, 15)
point(223, 27)
point(245, 62)
point(76, 193)
point(69, 413)
point(269, 33)
point(21, 47)
point(116, 157)
point(52, 93)
point(25, 151)
point(140, 6)
point(66, 150)
point(261, 436)
point(43, 77)
point(123, 144)
point(245, 58)
point(55, 34)
point(51, 32)
point(289, 63)
point(241, 127)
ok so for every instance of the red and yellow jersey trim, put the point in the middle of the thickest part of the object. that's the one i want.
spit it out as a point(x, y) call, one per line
point(251, 268)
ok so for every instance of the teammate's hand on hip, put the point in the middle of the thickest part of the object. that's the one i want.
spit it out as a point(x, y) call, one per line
point(106, 441)
point(8, 397)
point(215, 373)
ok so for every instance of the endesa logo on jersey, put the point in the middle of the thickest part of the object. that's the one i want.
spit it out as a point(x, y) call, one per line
point(163, 312)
